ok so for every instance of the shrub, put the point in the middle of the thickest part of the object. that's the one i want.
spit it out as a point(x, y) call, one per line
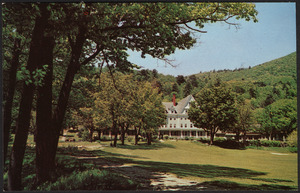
point(219, 139)
point(171, 138)
point(90, 180)
point(204, 140)
point(265, 143)
point(84, 135)
point(154, 137)
point(166, 136)
point(104, 138)
point(292, 139)
point(130, 138)
point(187, 138)
point(293, 149)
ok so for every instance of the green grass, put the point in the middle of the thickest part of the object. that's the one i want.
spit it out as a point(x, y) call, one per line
point(208, 163)
point(213, 167)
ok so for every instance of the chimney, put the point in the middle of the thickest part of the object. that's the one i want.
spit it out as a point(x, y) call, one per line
point(174, 100)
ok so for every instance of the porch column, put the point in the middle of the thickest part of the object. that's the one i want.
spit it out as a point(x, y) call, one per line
point(196, 134)
point(109, 134)
point(190, 133)
point(170, 133)
point(181, 136)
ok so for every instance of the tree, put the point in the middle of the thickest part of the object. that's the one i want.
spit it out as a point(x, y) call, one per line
point(175, 88)
point(244, 118)
point(134, 26)
point(180, 79)
point(34, 59)
point(279, 118)
point(187, 89)
point(148, 111)
point(193, 80)
point(113, 103)
point(214, 109)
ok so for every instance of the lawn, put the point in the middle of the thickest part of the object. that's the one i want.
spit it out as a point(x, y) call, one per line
point(212, 167)
point(202, 163)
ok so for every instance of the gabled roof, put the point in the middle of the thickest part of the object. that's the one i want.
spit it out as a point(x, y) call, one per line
point(183, 103)
point(180, 107)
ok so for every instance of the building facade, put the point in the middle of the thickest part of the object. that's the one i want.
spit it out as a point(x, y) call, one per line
point(178, 124)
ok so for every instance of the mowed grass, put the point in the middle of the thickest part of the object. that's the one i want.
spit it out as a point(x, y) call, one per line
point(202, 163)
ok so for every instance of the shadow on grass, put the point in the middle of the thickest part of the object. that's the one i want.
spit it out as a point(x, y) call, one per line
point(137, 170)
point(145, 146)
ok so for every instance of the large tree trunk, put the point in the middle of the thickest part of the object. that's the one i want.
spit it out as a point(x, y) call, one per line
point(64, 94)
point(34, 59)
point(44, 164)
point(10, 94)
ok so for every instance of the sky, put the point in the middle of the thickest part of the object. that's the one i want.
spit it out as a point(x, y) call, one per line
point(224, 47)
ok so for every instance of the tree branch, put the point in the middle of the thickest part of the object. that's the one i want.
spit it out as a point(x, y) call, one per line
point(87, 60)
point(195, 29)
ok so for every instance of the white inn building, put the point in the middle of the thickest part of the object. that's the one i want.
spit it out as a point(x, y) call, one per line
point(177, 124)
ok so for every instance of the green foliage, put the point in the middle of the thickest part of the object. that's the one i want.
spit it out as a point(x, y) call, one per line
point(292, 139)
point(90, 180)
point(130, 139)
point(84, 135)
point(279, 117)
point(265, 143)
point(166, 137)
point(214, 108)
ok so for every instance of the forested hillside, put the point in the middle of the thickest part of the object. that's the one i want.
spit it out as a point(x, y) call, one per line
point(263, 84)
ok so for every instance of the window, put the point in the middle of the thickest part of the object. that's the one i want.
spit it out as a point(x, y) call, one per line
point(181, 125)
point(174, 125)
point(174, 118)
point(185, 125)
point(170, 118)
point(170, 125)
point(191, 125)
point(181, 118)
point(184, 118)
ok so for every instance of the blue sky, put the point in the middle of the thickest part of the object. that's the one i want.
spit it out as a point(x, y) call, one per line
point(222, 47)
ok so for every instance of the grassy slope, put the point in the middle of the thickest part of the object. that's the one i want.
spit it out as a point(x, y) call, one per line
point(188, 159)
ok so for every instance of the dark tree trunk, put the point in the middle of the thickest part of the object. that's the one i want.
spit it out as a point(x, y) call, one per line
point(91, 134)
point(116, 136)
point(212, 135)
point(44, 164)
point(123, 134)
point(136, 136)
point(244, 137)
point(64, 94)
point(99, 135)
point(149, 135)
point(10, 96)
point(237, 136)
point(34, 59)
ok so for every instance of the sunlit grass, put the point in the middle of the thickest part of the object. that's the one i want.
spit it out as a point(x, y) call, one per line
point(282, 168)
point(261, 168)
